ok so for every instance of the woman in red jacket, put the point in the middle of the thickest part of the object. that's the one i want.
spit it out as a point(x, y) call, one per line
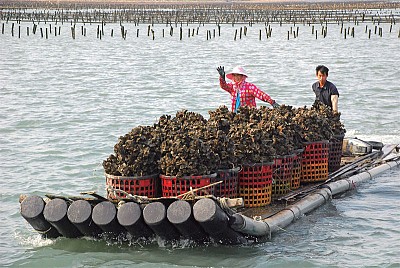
point(242, 92)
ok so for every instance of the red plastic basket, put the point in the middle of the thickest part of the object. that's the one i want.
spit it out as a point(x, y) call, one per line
point(296, 171)
point(229, 185)
point(255, 184)
point(174, 186)
point(143, 186)
point(281, 175)
point(314, 163)
point(335, 152)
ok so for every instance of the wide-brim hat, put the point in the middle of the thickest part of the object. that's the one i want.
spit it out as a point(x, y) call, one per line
point(236, 70)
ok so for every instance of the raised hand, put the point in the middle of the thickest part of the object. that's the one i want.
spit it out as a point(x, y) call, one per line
point(221, 71)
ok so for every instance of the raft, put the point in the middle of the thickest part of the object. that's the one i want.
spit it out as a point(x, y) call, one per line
point(201, 219)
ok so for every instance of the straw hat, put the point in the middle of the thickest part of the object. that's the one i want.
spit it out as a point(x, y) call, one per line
point(236, 70)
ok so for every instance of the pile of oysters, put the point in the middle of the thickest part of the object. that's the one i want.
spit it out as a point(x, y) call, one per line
point(187, 144)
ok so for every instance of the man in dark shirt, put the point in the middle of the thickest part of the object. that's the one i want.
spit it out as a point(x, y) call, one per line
point(325, 91)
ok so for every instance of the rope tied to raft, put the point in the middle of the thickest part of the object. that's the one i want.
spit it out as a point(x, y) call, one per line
point(191, 195)
point(224, 205)
point(136, 198)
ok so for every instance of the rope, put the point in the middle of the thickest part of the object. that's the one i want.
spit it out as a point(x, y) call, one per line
point(136, 198)
point(191, 193)
point(44, 232)
point(221, 201)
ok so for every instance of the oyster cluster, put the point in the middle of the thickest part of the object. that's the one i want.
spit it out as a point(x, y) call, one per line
point(188, 144)
point(186, 147)
point(332, 117)
point(137, 153)
point(318, 123)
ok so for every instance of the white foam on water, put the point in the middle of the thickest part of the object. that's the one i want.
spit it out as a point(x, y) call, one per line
point(35, 240)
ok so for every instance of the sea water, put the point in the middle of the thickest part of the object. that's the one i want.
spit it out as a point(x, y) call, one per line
point(64, 102)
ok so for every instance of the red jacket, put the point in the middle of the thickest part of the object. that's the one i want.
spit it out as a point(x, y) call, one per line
point(248, 93)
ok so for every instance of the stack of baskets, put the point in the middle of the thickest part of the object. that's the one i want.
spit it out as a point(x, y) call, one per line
point(314, 162)
point(255, 184)
point(174, 186)
point(335, 152)
point(144, 186)
point(282, 175)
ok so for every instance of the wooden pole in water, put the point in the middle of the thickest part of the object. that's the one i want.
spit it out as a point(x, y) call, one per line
point(32, 211)
point(235, 35)
point(155, 216)
point(2, 28)
point(80, 214)
point(55, 213)
point(215, 222)
point(180, 214)
point(104, 215)
point(130, 216)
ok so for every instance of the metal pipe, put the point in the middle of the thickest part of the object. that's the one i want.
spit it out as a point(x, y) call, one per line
point(249, 226)
point(344, 185)
point(295, 211)
point(286, 216)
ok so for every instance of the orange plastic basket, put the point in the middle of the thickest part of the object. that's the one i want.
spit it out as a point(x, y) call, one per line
point(174, 186)
point(281, 175)
point(229, 185)
point(314, 162)
point(296, 171)
point(143, 186)
point(335, 152)
point(255, 184)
